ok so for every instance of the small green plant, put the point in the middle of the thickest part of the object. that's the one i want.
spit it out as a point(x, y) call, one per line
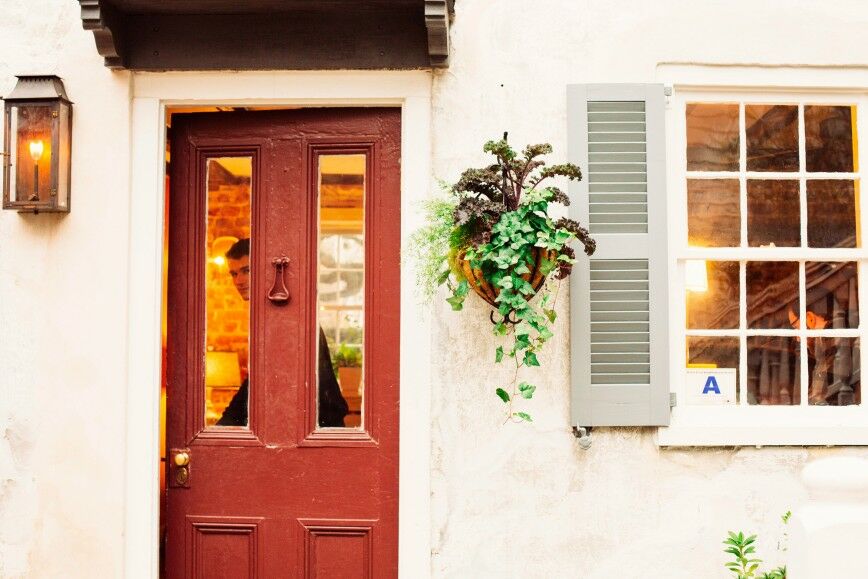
point(746, 563)
point(347, 357)
point(495, 235)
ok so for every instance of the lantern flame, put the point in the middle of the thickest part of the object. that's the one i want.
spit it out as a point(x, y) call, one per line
point(36, 150)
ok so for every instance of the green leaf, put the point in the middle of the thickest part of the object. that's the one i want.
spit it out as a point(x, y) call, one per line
point(498, 354)
point(524, 416)
point(526, 390)
point(530, 359)
point(457, 303)
point(546, 266)
point(522, 341)
point(462, 288)
point(551, 315)
point(503, 394)
point(443, 277)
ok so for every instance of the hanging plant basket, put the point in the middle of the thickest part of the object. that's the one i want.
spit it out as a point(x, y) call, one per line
point(488, 292)
point(495, 235)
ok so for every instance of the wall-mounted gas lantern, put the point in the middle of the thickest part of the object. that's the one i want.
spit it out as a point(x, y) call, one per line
point(37, 146)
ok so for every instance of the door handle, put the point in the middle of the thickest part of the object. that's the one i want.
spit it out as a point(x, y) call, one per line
point(278, 294)
point(179, 462)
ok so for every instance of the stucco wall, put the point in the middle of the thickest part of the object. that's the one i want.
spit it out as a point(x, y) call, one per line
point(508, 501)
point(525, 500)
point(63, 319)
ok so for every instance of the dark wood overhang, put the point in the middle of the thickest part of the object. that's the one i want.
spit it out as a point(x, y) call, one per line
point(152, 35)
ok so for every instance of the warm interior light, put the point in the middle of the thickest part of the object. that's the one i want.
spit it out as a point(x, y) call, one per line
point(219, 260)
point(222, 369)
point(696, 275)
point(36, 150)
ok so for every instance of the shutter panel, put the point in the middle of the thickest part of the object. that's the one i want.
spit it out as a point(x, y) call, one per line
point(619, 297)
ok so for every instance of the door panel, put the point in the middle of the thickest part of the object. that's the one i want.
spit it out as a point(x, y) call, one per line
point(293, 493)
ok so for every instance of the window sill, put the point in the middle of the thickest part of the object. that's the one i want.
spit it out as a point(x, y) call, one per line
point(765, 426)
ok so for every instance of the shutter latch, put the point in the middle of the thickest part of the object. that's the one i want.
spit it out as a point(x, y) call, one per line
point(673, 400)
point(583, 434)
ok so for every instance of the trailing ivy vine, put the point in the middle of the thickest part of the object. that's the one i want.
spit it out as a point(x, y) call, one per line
point(496, 226)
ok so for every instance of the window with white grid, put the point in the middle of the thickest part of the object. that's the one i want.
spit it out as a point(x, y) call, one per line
point(769, 255)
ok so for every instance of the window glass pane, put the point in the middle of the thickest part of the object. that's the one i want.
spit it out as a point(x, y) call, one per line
point(717, 306)
point(831, 295)
point(713, 213)
point(831, 213)
point(772, 292)
point(829, 138)
point(772, 134)
point(773, 213)
point(713, 353)
point(773, 370)
point(227, 312)
point(833, 371)
point(712, 137)
point(341, 291)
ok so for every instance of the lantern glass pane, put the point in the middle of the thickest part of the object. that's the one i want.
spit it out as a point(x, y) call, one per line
point(63, 154)
point(31, 155)
point(9, 166)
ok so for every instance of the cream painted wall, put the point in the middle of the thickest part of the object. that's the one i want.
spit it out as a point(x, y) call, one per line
point(63, 319)
point(508, 501)
point(526, 501)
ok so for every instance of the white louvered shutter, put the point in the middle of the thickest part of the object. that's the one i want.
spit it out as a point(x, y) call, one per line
point(619, 297)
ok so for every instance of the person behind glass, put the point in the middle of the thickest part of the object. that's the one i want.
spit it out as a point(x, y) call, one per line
point(332, 406)
point(831, 375)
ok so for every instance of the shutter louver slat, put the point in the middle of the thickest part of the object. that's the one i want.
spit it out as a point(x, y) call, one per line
point(621, 131)
point(618, 297)
point(620, 368)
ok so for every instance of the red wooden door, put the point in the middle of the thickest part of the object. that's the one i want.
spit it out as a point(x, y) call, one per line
point(280, 488)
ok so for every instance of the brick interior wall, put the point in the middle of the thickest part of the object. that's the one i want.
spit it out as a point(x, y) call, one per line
point(228, 322)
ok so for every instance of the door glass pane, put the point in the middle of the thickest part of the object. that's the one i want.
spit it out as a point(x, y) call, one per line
point(227, 306)
point(341, 291)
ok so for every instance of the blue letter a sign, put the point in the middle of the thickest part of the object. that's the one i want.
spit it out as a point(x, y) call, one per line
point(711, 386)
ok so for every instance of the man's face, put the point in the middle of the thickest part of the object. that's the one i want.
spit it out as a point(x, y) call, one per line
point(239, 269)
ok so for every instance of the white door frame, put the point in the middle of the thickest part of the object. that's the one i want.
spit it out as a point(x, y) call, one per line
point(152, 94)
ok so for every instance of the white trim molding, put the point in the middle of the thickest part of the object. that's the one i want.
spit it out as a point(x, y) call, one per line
point(152, 94)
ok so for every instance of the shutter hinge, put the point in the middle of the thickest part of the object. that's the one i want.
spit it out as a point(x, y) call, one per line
point(667, 90)
point(583, 434)
point(673, 400)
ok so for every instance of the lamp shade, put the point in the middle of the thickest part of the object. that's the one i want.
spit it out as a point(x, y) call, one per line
point(222, 369)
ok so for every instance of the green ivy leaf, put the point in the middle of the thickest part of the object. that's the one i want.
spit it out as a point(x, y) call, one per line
point(443, 277)
point(526, 390)
point(498, 354)
point(524, 416)
point(522, 341)
point(457, 303)
point(503, 394)
point(462, 288)
point(546, 266)
point(530, 359)
point(551, 315)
